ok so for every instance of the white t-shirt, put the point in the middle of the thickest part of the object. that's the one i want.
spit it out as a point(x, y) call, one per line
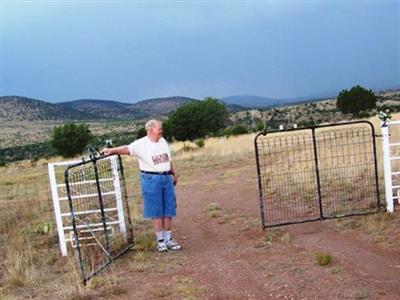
point(152, 156)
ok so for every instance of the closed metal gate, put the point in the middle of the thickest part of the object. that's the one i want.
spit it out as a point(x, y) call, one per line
point(315, 173)
point(99, 212)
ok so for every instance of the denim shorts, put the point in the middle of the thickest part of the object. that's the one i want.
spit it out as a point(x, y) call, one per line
point(158, 196)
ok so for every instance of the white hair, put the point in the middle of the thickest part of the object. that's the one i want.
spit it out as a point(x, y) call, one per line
point(151, 124)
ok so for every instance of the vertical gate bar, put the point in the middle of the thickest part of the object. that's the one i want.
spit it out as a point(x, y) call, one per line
point(71, 207)
point(317, 173)
point(261, 198)
point(103, 216)
point(375, 166)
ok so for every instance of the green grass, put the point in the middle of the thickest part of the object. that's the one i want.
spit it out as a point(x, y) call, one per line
point(336, 270)
point(323, 258)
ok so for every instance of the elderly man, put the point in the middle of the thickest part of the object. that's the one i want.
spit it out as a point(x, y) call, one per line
point(157, 177)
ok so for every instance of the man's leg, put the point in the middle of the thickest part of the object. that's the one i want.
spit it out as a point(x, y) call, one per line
point(166, 223)
point(158, 224)
point(171, 244)
point(158, 229)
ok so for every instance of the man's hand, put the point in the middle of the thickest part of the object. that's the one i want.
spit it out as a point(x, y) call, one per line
point(175, 176)
point(121, 150)
point(105, 151)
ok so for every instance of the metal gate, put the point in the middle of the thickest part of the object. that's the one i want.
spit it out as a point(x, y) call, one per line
point(314, 173)
point(100, 218)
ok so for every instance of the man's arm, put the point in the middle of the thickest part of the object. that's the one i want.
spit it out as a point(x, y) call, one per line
point(123, 150)
point(174, 174)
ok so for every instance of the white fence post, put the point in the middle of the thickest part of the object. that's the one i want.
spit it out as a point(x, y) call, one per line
point(118, 196)
point(57, 210)
point(387, 167)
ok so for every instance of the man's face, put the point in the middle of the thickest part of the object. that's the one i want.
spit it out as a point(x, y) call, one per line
point(156, 131)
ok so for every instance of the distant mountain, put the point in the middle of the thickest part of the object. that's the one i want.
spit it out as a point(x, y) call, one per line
point(161, 106)
point(250, 100)
point(17, 108)
point(164, 106)
point(105, 109)
point(257, 101)
point(233, 108)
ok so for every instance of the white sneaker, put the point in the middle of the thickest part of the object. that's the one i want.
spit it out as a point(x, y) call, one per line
point(162, 247)
point(172, 245)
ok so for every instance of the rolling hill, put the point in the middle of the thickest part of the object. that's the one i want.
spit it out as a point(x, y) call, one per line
point(17, 108)
point(161, 106)
point(105, 109)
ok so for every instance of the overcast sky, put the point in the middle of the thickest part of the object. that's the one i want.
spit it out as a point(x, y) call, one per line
point(134, 50)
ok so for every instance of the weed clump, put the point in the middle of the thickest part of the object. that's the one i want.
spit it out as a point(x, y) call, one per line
point(336, 270)
point(200, 143)
point(145, 241)
point(323, 258)
point(213, 210)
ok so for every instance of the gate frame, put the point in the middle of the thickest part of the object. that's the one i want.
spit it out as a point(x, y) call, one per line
point(94, 159)
point(313, 128)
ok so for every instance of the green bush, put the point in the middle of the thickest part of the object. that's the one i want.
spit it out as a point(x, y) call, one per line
point(355, 101)
point(70, 139)
point(196, 119)
point(30, 151)
point(238, 129)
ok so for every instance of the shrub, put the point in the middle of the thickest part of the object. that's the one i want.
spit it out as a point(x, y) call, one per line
point(2, 162)
point(70, 139)
point(196, 119)
point(238, 129)
point(356, 100)
point(200, 143)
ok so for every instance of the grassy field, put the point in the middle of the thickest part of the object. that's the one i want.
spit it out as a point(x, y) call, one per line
point(31, 264)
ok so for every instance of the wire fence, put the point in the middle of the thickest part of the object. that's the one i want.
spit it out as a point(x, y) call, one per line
point(24, 204)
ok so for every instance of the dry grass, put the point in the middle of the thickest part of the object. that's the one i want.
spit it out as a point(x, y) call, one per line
point(20, 268)
point(381, 228)
point(232, 147)
point(213, 210)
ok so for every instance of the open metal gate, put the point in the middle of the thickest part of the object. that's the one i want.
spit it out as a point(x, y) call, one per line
point(313, 173)
point(99, 212)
